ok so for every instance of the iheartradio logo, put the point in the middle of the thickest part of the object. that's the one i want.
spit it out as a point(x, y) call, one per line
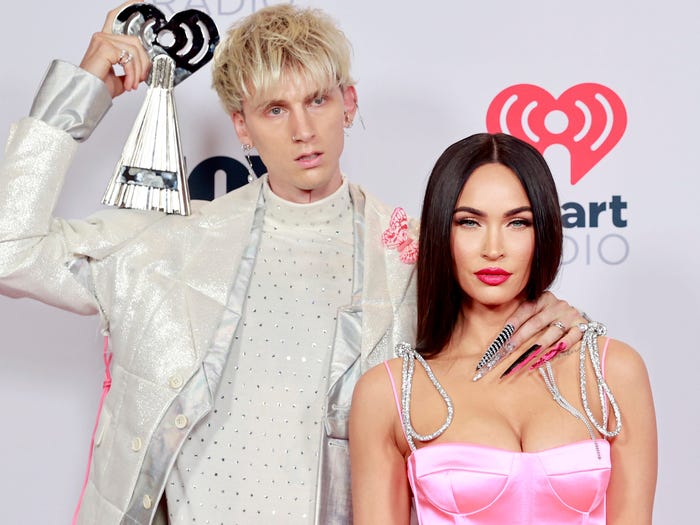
point(588, 119)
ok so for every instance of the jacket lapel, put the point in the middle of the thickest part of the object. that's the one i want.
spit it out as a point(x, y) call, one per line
point(223, 232)
point(388, 298)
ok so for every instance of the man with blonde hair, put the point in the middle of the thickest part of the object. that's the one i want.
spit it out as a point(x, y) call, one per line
point(238, 332)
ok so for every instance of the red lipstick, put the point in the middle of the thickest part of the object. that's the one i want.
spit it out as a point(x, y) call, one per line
point(492, 276)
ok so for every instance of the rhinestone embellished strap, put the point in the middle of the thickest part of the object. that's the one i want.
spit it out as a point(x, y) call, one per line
point(548, 375)
point(590, 344)
point(409, 357)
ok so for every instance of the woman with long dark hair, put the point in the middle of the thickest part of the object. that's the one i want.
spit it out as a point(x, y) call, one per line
point(572, 441)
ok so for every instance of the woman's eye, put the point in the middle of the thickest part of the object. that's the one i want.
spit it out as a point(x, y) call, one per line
point(319, 100)
point(468, 221)
point(520, 223)
point(275, 111)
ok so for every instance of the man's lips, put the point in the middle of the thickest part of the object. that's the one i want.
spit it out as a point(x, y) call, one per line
point(309, 160)
point(492, 276)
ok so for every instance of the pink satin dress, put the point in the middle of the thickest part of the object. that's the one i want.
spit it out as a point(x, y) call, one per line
point(462, 483)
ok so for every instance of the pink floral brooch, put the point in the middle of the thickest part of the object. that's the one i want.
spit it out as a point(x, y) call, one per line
point(396, 236)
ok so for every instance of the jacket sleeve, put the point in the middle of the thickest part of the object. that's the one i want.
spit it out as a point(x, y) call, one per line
point(43, 257)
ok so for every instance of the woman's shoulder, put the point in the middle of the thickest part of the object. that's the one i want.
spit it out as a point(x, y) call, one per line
point(623, 364)
point(373, 402)
point(377, 377)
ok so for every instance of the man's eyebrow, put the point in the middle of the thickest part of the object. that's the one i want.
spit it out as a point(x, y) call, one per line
point(318, 93)
point(267, 103)
point(276, 101)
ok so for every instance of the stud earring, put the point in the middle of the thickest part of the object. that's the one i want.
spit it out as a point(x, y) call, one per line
point(246, 153)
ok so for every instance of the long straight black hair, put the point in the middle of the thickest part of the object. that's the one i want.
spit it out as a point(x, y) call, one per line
point(440, 298)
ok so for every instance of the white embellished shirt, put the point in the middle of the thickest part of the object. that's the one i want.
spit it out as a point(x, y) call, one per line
point(254, 459)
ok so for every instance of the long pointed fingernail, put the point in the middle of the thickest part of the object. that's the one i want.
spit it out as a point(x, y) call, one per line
point(521, 361)
point(549, 355)
point(498, 343)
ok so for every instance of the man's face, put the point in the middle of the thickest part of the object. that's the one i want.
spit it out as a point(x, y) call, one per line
point(298, 132)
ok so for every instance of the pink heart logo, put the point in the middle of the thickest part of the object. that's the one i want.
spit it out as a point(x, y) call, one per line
point(588, 119)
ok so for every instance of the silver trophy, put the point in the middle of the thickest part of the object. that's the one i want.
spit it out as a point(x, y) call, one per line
point(151, 173)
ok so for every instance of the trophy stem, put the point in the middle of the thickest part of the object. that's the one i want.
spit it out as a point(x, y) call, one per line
point(151, 174)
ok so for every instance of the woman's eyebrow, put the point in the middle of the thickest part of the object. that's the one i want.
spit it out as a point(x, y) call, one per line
point(469, 209)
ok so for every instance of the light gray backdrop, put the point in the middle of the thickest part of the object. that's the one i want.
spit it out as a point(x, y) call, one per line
point(427, 73)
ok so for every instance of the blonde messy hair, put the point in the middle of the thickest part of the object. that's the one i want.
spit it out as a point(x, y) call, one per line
point(262, 48)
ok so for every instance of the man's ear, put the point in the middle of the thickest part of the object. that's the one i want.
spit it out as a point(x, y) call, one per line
point(350, 102)
point(241, 128)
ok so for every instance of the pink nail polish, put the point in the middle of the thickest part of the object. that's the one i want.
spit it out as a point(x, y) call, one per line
point(549, 355)
point(560, 347)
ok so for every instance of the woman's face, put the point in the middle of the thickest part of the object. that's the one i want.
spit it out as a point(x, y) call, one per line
point(493, 238)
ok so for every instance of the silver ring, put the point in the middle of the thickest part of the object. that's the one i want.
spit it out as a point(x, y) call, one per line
point(559, 325)
point(124, 57)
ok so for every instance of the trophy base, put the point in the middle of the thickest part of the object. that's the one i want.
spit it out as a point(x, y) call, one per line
point(142, 197)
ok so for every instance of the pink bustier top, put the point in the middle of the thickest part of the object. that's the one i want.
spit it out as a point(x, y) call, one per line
point(462, 483)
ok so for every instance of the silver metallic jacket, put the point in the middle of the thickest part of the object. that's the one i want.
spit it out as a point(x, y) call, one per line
point(170, 291)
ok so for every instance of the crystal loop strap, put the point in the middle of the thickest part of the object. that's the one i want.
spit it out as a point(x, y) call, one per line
point(589, 345)
point(548, 375)
point(409, 357)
